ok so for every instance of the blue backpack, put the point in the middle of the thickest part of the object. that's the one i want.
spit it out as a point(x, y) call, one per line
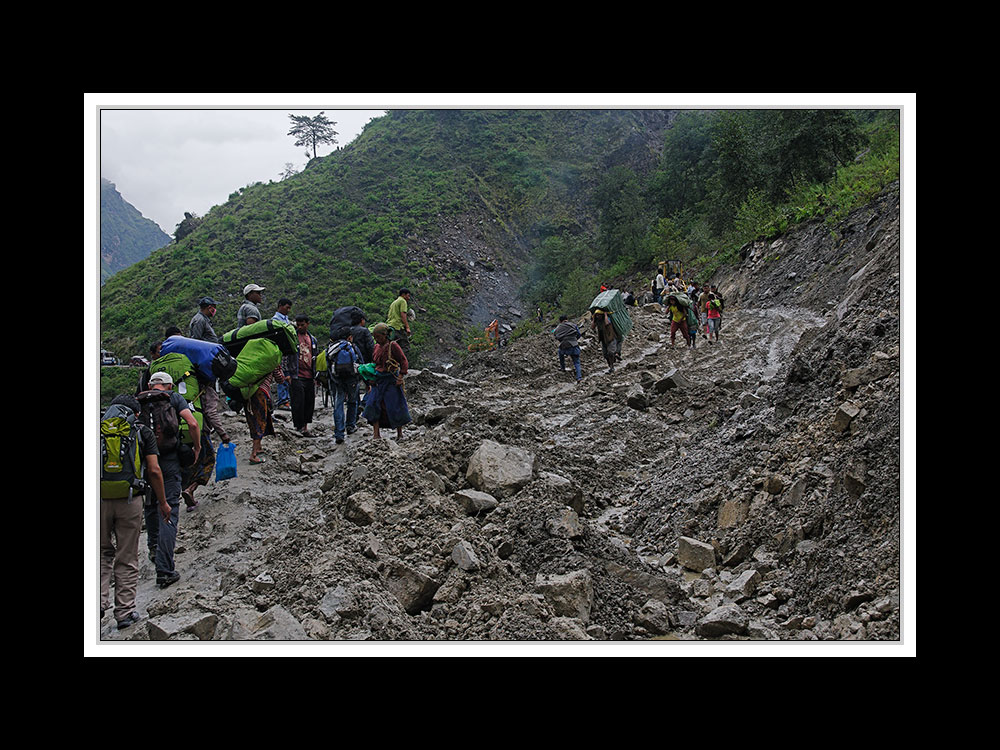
point(343, 358)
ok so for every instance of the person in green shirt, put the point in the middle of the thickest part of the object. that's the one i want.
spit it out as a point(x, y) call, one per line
point(398, 321)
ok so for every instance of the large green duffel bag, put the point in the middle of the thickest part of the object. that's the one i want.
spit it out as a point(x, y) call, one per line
point(612, 303)
point(256, 361)
point(282, 334)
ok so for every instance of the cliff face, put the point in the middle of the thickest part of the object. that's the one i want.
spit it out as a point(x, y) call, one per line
point(126, 235)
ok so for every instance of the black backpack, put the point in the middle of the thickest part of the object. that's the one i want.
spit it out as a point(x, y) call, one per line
point(160, 416)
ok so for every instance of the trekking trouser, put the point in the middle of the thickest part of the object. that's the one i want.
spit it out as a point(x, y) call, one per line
point(573, 353)
point(210, 404)
point(345, 405)
point(121, 522)
point(303, 396)
point(678, 325)
point(161, 536)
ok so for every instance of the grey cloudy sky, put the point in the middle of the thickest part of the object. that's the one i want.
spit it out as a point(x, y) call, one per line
point(168, 161)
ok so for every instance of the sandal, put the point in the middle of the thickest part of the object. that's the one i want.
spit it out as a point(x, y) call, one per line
point(256, 460)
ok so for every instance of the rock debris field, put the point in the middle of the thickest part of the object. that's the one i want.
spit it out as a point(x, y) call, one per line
point(743, 491)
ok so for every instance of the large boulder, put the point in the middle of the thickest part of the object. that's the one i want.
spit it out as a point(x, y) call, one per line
point(500, 470)
point(569, 595)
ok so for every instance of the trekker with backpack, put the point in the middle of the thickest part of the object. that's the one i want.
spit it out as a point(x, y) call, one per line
point(163, 410)
point(129, 467)
point(343, 359)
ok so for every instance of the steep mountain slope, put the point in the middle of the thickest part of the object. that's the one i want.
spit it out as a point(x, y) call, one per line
point(447, 203)
point(127, 237)
point(745, 490)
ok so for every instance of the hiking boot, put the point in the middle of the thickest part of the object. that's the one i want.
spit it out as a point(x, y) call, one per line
point(130, 619)
point(167, 579)
point(340, 440)
point(351, 430)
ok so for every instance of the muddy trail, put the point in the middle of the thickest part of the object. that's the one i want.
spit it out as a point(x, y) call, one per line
point(745, 490)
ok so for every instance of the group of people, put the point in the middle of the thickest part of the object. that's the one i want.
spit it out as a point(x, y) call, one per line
point(693, 311)
point(171, 470)
point(690, 308)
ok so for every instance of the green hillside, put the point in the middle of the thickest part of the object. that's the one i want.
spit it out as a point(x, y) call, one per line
point(540, 203)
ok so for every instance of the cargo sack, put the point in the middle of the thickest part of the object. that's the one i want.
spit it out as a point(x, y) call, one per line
point(682, 299)
point(121, 460)
point(277, 332)
point(367, 372)
point(257, 359)
point(611, 302)
point(186, 383)
point(210, 360)
point(345, 318)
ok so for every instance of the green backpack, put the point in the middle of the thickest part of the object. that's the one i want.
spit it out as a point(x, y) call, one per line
point(186, 383)
point(121, 461)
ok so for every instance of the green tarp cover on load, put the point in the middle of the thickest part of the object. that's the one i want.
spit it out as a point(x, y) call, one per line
point(282, 334)
point(611, 302)
point(256, 361)
point(180, 368)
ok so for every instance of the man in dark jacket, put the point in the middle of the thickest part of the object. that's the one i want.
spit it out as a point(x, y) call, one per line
point(568, 336)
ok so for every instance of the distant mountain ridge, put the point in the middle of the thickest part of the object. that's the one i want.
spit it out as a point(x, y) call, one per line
point(126, 235)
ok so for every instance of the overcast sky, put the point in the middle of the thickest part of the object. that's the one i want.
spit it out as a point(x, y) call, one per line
point(168, 161)
point(171, 153)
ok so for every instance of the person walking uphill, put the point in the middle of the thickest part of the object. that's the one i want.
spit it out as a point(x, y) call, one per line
point(249, 311)
point(568, 336)
point(122, 432)
point(678, 320)
point(714, 316)
point(398, 320)
point(164, 409)
point(343, 359)
point(386, 403)
point(601, 324)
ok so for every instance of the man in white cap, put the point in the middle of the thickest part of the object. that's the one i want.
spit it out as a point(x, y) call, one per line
point(161, 532)
point(249, 312)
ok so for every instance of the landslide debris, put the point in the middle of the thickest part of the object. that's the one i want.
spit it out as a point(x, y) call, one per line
point(745, 490)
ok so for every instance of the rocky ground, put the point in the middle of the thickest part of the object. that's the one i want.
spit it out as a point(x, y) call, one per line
point(747, 490)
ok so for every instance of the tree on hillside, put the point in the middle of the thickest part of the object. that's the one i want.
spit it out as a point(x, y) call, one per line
point(289, 170)
point(312, 131)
